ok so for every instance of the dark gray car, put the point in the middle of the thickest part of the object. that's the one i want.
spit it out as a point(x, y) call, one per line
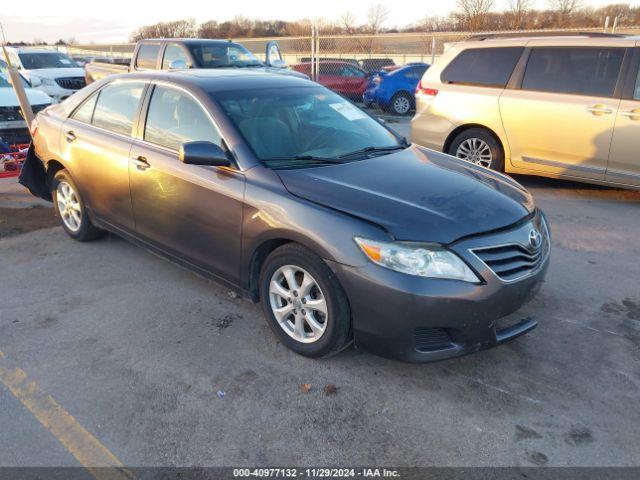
point(294, 197)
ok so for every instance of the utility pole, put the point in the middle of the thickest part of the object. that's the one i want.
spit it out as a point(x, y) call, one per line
point(16, 81)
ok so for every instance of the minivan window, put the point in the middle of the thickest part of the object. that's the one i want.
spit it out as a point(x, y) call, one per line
point(147, 55)
point(174, 118)
point(589, 71)
point(116, 107)
point(85, 112)
point(636, 92)
point(174, 53)
point(488, 67)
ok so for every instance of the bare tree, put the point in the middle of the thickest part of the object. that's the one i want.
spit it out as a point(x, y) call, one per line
point(347, 22)
point(518, 11)
point(564, 10)
point(377, 15)
point(474, 13)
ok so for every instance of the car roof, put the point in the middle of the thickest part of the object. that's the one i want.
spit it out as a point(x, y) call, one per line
point(187, 40)
point(576, 38)
point(219, 80)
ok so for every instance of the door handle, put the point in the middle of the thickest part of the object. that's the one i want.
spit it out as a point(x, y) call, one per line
point(70, 136)
point(141, 163)
point(600, 110)
point(632, 114)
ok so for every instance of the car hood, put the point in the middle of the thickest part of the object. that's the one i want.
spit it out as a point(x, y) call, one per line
point(416, 194)
point(8, 97)
point(57, 72)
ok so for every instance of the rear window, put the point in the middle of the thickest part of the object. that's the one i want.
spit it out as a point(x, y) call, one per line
point(580, 71)
point(147, 56)
point(489, 67)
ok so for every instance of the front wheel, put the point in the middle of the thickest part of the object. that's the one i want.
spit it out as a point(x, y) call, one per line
point(71, 209)
point(304, 303)
point(478, 146)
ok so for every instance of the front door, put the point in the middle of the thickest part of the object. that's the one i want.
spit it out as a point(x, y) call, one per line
point(561, 120)
point(624, 162)
point(191, 211)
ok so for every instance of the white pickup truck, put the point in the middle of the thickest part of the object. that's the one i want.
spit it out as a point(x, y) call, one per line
point(177, 54)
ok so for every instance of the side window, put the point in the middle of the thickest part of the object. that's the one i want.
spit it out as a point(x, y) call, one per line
point(116, 107)
point(147, 56)
point(84, 114)
point(175, 118)
point(488, 67)
point(174, 53)
point(636, 92)
point(580, 71)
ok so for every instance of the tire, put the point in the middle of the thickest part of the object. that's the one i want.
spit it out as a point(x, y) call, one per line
point(336, 324)
point(71, 210)
point(486, 144)
point(401, 103)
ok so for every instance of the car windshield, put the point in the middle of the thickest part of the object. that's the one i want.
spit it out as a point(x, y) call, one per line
point(305, 125)
point(4, 81)
point(220, 55)
point(36, 61)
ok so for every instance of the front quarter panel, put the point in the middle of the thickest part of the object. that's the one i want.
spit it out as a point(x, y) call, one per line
point(272, 213)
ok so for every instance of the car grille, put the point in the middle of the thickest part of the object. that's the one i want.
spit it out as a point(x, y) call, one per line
point(429, 339)
point(71, 83)
point(514, 261)
point(10, 114)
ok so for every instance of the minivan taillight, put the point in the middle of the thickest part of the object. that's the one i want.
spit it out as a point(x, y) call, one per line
point(421, 90)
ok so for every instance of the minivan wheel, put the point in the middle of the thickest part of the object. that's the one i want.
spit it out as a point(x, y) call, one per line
point(304, 303)
point(478, 146)
point(71, 209)
point(401, 103)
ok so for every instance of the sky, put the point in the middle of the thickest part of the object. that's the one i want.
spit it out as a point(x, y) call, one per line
point(86, 22)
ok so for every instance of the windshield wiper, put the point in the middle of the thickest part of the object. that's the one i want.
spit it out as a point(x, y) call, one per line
point(366, 150)
point(306, 158)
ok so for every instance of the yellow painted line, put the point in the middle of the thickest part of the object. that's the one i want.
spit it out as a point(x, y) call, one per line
point(74, 437)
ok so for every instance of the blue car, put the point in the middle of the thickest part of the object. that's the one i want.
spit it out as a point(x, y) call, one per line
point(394, 91)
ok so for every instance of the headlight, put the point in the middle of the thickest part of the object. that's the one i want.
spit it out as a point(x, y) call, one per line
point(47, 82)
point(419, 260)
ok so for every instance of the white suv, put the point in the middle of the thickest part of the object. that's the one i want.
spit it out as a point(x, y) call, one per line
point(48, 70)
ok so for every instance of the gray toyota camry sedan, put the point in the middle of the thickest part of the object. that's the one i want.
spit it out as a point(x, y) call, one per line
point(297, 199)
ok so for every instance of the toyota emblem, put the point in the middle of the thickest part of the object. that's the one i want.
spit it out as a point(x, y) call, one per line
point(535, 239)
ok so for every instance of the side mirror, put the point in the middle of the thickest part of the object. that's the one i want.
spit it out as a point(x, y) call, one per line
point(35, 81)
point(203, 153)
point(273, 56)
point(178, 65)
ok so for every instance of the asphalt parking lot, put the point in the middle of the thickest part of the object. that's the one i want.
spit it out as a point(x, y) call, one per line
point(161, 367)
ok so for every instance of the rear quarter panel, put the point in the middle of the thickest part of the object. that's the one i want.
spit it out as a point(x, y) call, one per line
point(454, 106)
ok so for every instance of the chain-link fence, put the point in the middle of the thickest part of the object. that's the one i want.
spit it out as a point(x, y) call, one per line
point(350, 64)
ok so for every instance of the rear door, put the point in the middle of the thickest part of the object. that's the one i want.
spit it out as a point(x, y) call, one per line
point(96, 140)
point(624, 162)
point(560, 120)
point(191, 211)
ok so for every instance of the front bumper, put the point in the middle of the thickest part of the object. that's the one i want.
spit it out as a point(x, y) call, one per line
point(56, 92)
point(418, 319)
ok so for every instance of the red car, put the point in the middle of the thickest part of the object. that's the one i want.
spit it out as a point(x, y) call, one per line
point(342, 77)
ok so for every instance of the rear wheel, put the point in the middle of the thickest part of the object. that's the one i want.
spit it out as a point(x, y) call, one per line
point(478, 146)
point(401, 103)
point(71, 210)
point(304, 303)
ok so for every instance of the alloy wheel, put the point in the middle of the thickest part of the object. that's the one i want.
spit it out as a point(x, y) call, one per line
point(69, 206)
point(401, 105)
point(298, 304)
point(475, 150)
